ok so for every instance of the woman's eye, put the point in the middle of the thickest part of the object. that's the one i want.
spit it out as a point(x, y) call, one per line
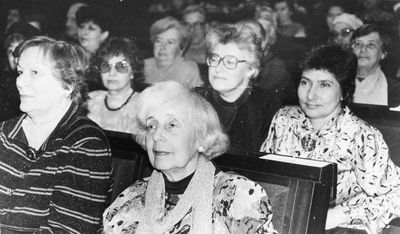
point(325, 85)
point(34, 72)
point(303, 82)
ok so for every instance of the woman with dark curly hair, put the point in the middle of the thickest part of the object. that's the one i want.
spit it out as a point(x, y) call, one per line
point(324, 128)
point(55, 163)
point(118, 63)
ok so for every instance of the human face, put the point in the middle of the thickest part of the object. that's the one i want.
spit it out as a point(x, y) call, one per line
point(342, 34)
point(196, 23)
point(166, 47)
point(13, 16)
point(11, 59)
point(116, 81)
point(283, 12)
point(369, 51)
point(41, 92)
point(320, 96)
point(230, 83)
point(332, 13)
point(171, 141)
point(70, 25)
point(91, 36)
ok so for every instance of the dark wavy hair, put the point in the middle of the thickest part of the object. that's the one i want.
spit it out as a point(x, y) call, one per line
point(70, 63)
point(123, 46)
point(338, 61)
point(94, 14)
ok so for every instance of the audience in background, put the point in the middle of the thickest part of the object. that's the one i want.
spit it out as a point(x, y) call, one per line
point(170, 38)
point(334, 10)
point(244, 110)
point(344, 26)
point(56, 163)
point(71, 27)
point(195, 18)
point(286, 26)
point(13, 16)
point(370, 44)
point(324, 128)
point(118, 62)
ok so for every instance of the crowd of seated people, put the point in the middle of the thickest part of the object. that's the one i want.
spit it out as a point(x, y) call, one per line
point(217, 75)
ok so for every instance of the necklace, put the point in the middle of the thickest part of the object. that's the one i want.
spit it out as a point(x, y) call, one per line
point(118, 108)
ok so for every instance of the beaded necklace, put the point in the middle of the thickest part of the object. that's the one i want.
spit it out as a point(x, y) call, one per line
point(118, 108)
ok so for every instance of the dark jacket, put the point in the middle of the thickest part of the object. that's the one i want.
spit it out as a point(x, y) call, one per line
point(393, 92)
point(64, 186)
point(253, 114)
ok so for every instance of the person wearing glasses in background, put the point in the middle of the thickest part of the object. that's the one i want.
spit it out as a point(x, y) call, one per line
point(118, 63)
point(344, 26)
point(370, 44)
point(245, 110)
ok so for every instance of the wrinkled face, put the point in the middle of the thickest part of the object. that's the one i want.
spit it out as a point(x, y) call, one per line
point(319, 94)
point(171, 139)
point(12, 61)
point(283, 12)
point(91, 36)
point(332, 13)
point(369, 50)
point(229, 81)
point(342, 34)
point(116, 74)
point(166, 47)
point(196, 23)
point(41, 92)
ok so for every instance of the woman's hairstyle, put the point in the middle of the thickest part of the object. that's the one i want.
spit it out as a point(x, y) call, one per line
point(195, 9)
point(338, 61)
point(238, 34)
point(202, 116)
point(120, 46)
point(70, 63)
point(371, 28)
point(167, 23)
point(97, 15)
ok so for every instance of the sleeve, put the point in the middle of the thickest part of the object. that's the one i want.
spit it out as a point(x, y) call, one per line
point(378, 179)
point(81, 187)
point(242, 206)
point(190, 75)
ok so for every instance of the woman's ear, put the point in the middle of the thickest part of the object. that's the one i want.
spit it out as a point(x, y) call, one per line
point(104, 35)
point(253, 73)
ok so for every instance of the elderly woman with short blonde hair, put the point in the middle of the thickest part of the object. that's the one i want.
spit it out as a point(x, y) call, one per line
point(185, 193)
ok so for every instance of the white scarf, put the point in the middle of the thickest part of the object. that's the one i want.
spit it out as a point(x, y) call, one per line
point(198, 196)
point(372, 90)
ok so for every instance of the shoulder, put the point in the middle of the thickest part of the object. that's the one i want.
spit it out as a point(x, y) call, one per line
point(186, 65)
point(97, 94)
point(355, 126)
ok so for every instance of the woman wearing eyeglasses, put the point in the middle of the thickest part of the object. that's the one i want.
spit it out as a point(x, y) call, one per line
point(343, 27)
point(118, 63)
point(244, 110)
point(370, 44)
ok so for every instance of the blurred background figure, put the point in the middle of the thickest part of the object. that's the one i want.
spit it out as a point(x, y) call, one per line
point(170, 39)
point(119, 64)
point(9, 97)
point(286, 26)
point(245, 109)
point(344, 26)
point(13, 16)
point(93, 27)
point(195, 18)
point(370, 43)
point(334, 9)
point(71, 27)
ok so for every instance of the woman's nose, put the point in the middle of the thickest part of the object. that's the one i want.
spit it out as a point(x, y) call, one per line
point(311, 93)
point(158, 135)
point(220, 66)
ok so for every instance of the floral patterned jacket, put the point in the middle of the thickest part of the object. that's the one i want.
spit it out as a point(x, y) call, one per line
point(368, 182)
point(239, 206)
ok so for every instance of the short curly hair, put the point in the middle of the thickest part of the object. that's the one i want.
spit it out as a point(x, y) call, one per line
point(120, 46)
point(95, 14)
point(239, 34)
point(201, 114)
point(167, 23)
point(70, 63)
point(338, 61)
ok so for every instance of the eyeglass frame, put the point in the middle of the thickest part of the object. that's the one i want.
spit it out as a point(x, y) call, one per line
point(114, 65)
point(223, 62)
point(345, 32)
point(367, 46)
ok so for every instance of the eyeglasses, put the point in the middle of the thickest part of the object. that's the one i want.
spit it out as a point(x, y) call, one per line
point(229, 61)
point(346, 32)
point(369, 46)
point(121, 66)
point(194, 25)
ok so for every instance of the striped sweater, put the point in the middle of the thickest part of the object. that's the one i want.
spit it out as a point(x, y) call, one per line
point(63, 186)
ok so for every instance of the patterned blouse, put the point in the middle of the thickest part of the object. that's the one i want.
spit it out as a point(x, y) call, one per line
point(368, 181)
point(239, 206)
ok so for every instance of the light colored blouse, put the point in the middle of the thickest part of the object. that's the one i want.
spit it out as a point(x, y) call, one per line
point(119, 120)
point(182, 71)
point(372, 90)
point(368, 182)
point(239, 206)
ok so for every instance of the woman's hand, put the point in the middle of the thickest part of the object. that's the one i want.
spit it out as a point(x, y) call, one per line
point(335, 217)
